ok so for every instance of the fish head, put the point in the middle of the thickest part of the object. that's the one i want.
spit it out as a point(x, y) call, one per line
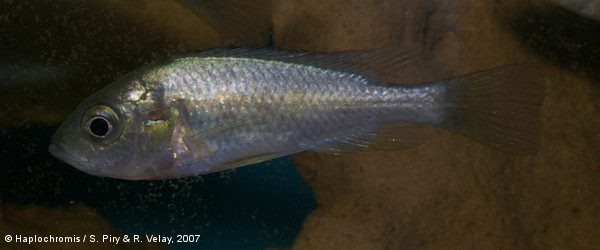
point(122, 131)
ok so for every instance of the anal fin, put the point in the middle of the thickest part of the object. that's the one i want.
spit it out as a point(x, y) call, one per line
point(387, 136)
point(248, 160)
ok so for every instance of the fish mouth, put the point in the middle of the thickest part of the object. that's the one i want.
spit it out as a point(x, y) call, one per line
point(62, 154)
point(57, 151)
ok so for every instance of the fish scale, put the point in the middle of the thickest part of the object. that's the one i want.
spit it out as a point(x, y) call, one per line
point(326, 96)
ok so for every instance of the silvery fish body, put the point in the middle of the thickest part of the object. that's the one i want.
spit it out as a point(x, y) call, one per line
point(220, 109)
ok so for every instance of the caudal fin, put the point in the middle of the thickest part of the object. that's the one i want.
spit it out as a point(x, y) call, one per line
point(499, 107)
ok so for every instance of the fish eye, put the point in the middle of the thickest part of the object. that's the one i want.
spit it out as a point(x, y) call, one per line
point(99, 126)
point(101, 122)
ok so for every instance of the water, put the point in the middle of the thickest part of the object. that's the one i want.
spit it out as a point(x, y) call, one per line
point(257, 206)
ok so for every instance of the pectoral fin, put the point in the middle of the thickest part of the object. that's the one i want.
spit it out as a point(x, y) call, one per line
point(197, 142)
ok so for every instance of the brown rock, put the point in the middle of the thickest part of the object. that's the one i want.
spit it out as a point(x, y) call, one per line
point(64, 224)
point(451, 192)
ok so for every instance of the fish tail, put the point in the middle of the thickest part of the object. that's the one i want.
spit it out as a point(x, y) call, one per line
point(499, 108)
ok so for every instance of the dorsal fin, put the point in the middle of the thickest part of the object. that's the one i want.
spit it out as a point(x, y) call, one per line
point(390, 64)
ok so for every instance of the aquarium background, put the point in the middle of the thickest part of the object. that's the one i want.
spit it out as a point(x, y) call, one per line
point(449, 192)
point(253, 207)
point(54, 54)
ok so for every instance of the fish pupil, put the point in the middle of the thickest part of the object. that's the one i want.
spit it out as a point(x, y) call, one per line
point(99, 126)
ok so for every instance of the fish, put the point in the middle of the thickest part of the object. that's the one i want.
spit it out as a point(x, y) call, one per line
point(208, 111)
